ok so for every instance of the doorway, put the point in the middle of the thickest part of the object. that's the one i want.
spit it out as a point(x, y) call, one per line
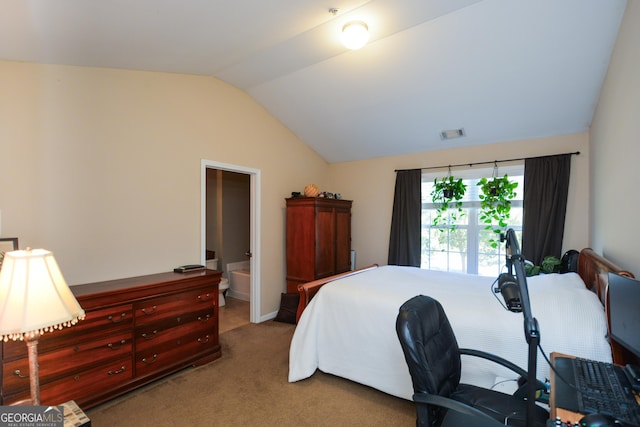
point(230, 221)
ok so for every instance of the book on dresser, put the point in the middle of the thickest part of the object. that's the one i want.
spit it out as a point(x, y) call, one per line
point(136, 331)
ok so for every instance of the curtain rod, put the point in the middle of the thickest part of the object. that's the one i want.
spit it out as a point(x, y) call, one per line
point(493, 162)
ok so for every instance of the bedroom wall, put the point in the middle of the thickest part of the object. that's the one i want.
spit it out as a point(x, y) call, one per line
point(616, 149)
point(370, 183)
point(102, 167)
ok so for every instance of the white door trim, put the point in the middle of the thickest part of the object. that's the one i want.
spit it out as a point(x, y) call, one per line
point(255, 226)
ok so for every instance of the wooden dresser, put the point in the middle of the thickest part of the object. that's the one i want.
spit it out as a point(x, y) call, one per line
point(318, 239)
point(136, 330)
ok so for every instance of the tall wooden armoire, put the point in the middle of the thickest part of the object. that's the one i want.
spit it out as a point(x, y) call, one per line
point(318, 239)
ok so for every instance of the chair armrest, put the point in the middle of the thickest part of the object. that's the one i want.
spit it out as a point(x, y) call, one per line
point(501, 361)
point(497, 359)
point(476, 416)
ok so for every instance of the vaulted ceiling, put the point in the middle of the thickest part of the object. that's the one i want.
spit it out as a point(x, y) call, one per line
point(499, 69)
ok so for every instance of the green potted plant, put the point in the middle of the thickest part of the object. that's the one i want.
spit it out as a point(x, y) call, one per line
point(495, 204)
point(447, 195)
point(550, 264)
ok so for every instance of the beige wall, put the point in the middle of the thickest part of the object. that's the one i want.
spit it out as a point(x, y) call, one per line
point(616, 149)
point(370, 184)
point(103, 167)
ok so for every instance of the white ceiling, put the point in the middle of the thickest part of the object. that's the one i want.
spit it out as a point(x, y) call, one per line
point(501, 69)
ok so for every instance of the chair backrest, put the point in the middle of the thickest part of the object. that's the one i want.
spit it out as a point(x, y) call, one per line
point(429, 345)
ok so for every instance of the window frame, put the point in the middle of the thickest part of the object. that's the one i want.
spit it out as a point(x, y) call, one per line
point(474, 229)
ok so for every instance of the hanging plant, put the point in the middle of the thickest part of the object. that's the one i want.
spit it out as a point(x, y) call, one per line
point(495, 204)
point(447, 195)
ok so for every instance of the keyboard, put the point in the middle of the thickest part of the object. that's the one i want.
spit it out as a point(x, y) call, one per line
point(595, 387)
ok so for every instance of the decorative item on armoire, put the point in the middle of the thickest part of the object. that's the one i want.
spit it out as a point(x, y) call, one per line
point(311, 190)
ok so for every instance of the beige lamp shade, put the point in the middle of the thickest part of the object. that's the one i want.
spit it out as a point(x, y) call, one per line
point(34, 297)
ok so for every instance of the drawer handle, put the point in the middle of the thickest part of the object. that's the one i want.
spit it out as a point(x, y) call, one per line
point(149, 337)
point(117, 320)
point(118, 371)
point(203, 340)
point(18, 374)
point(206, 297)
point(153, 310)
point(113, 347)
point(149, 362)
point(204, 319)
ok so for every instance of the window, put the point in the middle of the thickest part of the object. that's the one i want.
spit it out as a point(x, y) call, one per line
point(467, 248)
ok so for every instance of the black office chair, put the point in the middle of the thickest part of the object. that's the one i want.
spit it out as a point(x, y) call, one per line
point(433, 357)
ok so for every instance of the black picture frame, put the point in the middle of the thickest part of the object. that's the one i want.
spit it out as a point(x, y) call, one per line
point(7, 244)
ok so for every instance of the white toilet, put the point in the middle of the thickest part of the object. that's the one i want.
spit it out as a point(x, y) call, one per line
point(212, 264)
point(222, 286)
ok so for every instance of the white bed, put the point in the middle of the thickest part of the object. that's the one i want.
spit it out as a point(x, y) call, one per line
point(348, 328)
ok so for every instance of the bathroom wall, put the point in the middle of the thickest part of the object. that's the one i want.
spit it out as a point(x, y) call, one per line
point(228, 216)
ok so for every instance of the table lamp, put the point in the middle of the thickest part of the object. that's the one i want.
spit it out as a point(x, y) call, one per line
point(34, 299)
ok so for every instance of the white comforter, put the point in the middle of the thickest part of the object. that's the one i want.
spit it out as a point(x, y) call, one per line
point(348, 329)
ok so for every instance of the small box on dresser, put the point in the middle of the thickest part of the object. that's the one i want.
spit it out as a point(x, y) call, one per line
point(136, 330)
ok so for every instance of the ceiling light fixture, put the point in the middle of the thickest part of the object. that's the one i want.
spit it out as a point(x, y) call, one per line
point(355, 34)
point(452, 134)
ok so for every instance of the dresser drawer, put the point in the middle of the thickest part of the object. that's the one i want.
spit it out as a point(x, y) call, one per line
point(72, 358)
point(156, 309)
point(91, 382)
point(173, 352)
point(105, 320)
point(175, 329)
point(97, 380)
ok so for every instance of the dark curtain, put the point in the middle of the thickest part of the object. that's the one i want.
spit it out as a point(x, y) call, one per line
point(404, 241)
point(546, 186)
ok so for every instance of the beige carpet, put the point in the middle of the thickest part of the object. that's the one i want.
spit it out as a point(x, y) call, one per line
point(248, 386)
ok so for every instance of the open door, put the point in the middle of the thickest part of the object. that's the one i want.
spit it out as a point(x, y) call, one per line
point(207, 167)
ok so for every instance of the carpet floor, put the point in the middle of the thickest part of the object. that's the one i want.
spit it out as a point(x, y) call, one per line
point(248, 386)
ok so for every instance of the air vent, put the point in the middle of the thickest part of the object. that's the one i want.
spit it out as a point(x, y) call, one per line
point(452, 134)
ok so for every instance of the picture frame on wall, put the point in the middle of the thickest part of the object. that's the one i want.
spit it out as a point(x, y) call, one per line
point(7, 244)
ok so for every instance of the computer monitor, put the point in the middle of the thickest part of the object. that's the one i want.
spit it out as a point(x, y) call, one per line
point(624, 312)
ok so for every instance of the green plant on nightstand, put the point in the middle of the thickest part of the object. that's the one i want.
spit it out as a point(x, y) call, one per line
point(550, 264)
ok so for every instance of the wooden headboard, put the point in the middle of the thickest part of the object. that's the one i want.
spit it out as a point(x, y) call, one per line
point(594, 270)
